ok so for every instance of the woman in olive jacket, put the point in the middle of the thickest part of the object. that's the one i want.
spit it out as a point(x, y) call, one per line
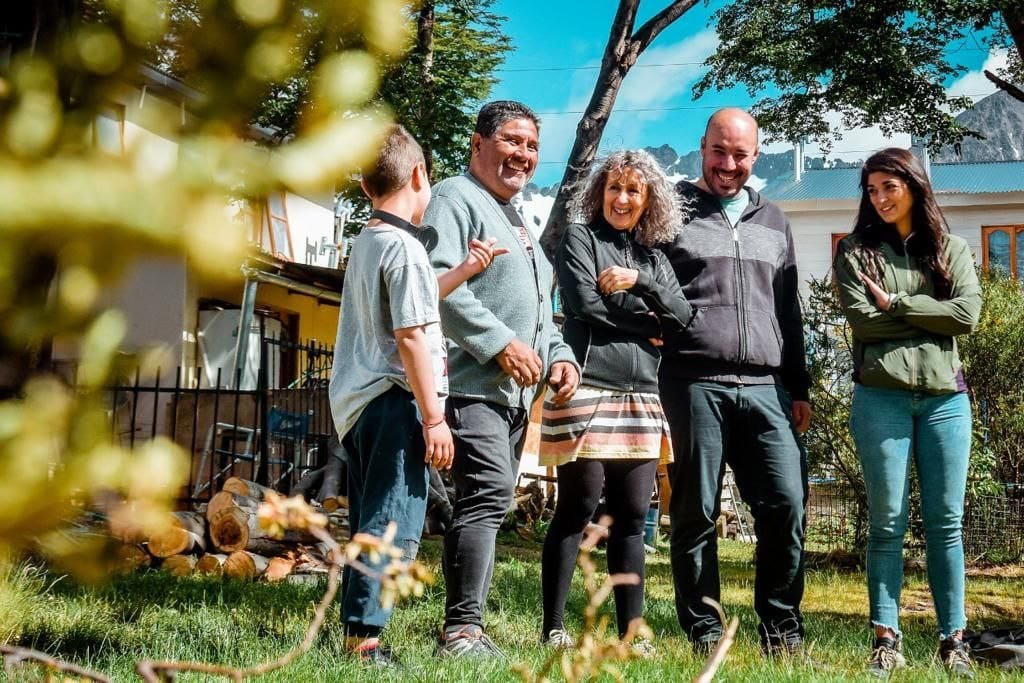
point(908, 288)
point(618, 296)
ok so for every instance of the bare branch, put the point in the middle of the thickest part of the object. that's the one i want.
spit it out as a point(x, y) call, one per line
point(1007, 87)
point(656, 24)
point(14, 656)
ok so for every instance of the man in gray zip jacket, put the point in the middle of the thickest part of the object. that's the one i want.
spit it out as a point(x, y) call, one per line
point(503, 343)
point(735, 388)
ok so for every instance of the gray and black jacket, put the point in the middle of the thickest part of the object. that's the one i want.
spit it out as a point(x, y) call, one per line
point(742, 284)
point(610, 334)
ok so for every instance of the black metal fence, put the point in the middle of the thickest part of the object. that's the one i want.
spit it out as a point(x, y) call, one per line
point(993, 525)
point(270, 434)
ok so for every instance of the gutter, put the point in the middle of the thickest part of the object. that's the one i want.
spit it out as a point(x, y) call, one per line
point(291, 285)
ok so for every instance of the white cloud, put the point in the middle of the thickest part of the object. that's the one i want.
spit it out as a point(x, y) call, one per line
point(974, 83)
point(653, 87)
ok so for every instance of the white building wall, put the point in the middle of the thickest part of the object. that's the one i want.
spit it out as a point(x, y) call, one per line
point(312, 223)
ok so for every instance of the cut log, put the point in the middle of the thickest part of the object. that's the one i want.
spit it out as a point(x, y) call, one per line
point(244, 487)
point(131, 557)
point(245, 565)
point(227, 499)
point(334, 503)
point(211, 564)
point(185, 533)
point(234, 529)
point(179, 565)
point(279, 568)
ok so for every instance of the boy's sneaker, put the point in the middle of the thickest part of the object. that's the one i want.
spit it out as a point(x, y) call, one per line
point(955, 656)
point(372, 653)
point(558, 639)
point(886, 656)
point(643, 648)
point(468, 641)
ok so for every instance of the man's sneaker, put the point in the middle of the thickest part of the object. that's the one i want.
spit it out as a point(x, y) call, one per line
point(468, 641)
point(782, 640)
point(643, 648)
point(372, 653)
point(886, 656)
point(706, 644)
point(955, 656)
point(558, 639)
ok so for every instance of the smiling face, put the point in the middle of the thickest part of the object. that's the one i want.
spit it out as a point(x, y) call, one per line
point(728, 151)
point(505, 162)
point(625, 199)
point(892, 199)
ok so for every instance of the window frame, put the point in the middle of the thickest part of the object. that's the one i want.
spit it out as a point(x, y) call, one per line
point(1013, 230)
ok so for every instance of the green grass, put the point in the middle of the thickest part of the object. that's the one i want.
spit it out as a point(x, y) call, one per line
point(156, 616)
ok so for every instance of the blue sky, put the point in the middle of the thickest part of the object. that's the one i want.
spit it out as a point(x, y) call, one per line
point(558, 46)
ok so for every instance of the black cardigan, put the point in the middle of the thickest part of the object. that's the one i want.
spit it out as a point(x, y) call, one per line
point(610, 334)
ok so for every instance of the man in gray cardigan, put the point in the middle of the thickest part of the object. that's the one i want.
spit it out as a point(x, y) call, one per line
point(503, 343)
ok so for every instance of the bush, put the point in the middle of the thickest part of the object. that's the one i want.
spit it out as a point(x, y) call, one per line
point(993, 367)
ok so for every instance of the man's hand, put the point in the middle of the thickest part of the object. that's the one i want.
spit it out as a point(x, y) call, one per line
point(616, 278)
point(563, 380)
point(521, 363)
point(880, 295)
point(440, 447)
point(801, 416)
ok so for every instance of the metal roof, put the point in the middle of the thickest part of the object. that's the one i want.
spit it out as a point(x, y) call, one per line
point(955, 178)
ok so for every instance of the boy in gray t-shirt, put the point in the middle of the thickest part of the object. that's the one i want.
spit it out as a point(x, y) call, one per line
point(389, 378)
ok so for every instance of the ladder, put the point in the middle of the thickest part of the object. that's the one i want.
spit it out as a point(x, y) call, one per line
point(731, 499)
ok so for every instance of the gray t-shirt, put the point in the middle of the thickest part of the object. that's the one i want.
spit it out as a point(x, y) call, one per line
point(389, 285)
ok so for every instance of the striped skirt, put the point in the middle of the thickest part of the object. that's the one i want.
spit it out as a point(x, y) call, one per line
point(603, 424)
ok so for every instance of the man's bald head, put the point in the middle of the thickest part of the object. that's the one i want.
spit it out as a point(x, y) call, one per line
point(729, 150)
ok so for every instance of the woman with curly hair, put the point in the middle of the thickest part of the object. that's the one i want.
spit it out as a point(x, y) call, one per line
point(618, 294)
point(908, 288)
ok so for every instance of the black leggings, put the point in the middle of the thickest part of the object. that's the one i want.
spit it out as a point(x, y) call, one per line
point(628, 485)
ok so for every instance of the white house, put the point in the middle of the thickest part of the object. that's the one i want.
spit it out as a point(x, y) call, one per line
point(982, 202)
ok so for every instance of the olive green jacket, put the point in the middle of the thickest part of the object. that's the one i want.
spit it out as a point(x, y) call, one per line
point(913, 344)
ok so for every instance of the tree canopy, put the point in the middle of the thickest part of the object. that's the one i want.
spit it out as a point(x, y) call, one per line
point(872, 63)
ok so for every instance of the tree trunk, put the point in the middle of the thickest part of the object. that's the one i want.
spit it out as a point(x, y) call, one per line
point(185, 533)
point(237, 528)
point(620, 54)
point(179, 565)
point(334, 503)
point(245, 565)
point(211, 564)
point(332, 475)
point(425, 49)
point(1014, 18)
point(244, 487)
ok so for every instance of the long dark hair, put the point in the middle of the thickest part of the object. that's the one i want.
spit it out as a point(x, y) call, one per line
point(927, 222)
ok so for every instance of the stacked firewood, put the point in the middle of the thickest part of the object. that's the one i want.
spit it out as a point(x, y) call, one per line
point(226, 539)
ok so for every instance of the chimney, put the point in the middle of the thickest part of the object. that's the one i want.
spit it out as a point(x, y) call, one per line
point(919, 147)
point(798, 160)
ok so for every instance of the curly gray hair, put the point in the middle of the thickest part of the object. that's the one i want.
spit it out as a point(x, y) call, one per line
point(660, 222)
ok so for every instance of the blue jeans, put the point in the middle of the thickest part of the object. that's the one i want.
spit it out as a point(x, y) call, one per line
point(892, 428)
point(387, 482)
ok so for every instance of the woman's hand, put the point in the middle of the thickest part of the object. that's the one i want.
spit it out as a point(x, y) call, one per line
point(882, 297)
point(616, 278)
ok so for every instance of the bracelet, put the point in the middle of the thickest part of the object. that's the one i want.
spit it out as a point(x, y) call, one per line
point(431, 426)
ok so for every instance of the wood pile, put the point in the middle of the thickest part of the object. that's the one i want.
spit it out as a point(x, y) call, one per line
point(225, 539)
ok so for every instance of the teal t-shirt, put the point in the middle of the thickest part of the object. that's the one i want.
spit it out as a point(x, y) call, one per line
point(734, 206)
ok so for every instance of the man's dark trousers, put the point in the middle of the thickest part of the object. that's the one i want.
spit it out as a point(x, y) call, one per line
point(488, 443)
point(748, 427)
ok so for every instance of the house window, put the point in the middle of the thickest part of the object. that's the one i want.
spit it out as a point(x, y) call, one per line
point(1002, 247)
point(275, 233)
point(836, 237)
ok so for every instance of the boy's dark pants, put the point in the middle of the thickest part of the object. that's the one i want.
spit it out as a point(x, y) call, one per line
point(387, 482)
point(749, 428)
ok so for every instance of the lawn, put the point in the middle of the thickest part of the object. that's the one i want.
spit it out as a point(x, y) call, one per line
point(154, 615)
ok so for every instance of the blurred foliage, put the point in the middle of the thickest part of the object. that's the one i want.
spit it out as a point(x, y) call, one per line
point(992, 368)
point(77, 215)
point(884, 64)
